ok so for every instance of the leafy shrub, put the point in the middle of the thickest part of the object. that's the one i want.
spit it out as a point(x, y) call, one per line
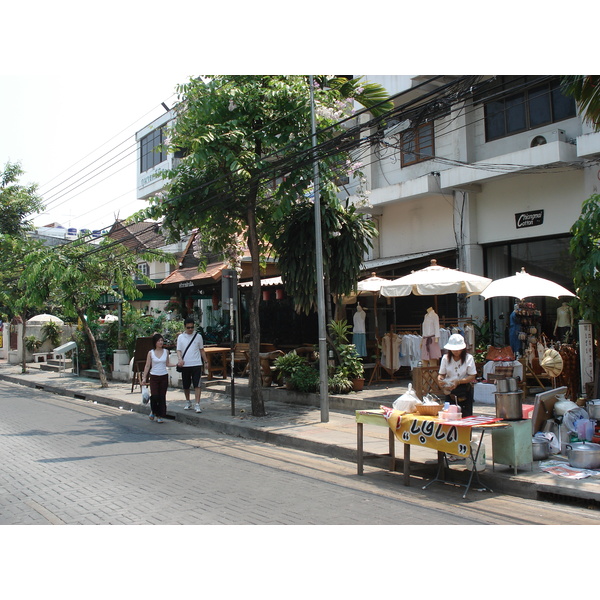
point(304, 379)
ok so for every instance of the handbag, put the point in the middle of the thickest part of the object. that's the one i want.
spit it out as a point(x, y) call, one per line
point(505, 354)
point(178, 368)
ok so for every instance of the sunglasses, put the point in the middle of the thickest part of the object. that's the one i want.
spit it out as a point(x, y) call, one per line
point(192, 327)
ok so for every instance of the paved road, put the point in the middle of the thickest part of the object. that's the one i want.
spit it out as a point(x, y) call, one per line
point(67, 461)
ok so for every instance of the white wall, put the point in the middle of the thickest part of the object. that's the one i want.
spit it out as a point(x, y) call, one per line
point(408, 227)
point(559, 195)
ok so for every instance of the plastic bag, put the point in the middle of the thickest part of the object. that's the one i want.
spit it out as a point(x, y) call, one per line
point(552, 439)
point(571, 416)
point(408, 401)
point(431, 399)
point(145, 394)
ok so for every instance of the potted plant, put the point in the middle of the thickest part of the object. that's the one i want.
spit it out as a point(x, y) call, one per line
point(288, 364)
point(351, 366)
point(339, 384)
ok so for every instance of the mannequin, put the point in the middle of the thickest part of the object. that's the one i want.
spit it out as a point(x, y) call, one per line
point(359, 336)
point(564, 322)
point(430, 346)
point(514, 330)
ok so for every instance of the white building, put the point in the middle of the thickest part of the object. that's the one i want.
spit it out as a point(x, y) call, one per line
point(485, 174)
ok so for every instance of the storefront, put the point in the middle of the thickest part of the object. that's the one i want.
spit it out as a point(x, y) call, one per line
point(546, 257)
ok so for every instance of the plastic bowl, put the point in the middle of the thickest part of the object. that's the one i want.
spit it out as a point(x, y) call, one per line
point(449, 416)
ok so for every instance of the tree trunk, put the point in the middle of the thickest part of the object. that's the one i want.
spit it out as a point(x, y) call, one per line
point(23, 349)
point(254, 374)
point(99, 366)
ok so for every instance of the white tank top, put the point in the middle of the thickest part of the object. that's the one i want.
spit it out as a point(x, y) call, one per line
point(159, 365)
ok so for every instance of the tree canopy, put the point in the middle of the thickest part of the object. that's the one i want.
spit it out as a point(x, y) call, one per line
point(585, 89)
point(585, 250)
point(17, 201)
point(248, 160)
point(77, 274)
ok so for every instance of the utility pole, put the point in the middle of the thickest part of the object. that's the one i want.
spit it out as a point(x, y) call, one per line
point(323, 374)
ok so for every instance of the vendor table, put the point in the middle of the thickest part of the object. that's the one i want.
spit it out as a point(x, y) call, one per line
point(217, 360)
point(453, 437)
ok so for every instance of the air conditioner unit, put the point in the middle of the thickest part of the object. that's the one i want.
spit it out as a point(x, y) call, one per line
point(546, 137)
point(396, 128)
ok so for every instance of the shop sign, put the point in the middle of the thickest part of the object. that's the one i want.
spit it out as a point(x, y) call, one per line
point(186, 284)
point(529, 219)
point(586, 353)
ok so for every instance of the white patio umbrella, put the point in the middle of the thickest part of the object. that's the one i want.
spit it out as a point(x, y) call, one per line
point(522, 285)
point(44, 318)
point(435, 280)
point(371, 286)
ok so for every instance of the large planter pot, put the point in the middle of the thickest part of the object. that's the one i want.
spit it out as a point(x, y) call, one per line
point(121, 357)
point(358, 384)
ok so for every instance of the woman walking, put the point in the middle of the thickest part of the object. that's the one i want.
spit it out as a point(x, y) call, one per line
point(156, 368)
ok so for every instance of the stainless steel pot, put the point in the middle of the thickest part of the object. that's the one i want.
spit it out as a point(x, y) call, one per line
point(541, 448)
point(509, 405)
point(584, 455)
point(593, 409)
point(506, 385)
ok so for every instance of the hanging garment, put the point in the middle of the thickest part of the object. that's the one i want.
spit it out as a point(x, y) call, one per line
point(390, 351)
point(360, 341)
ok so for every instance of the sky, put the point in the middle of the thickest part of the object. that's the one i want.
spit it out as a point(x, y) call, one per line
point(77, 81)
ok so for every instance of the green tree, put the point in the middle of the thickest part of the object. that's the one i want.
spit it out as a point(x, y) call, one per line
point(247, 159)
point(585, 250)
point(585, 89)
point(346, 236)
point(17, 201)
point(16, 298)
point(77, 274)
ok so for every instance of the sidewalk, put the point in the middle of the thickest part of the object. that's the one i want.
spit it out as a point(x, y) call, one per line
point(301, 427)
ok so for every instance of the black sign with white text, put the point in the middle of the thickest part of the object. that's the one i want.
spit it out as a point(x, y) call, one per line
point(529, 219)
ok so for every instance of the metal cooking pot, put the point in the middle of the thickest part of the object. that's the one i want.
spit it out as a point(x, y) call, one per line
point(509, 405)
point(541, 448)
point(584, 455)
point(506, 385)
point(593, 409)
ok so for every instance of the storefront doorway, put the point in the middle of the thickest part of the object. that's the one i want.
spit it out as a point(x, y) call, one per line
point(548, 258)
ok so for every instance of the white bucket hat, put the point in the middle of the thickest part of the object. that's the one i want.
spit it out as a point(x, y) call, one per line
point(455, 342)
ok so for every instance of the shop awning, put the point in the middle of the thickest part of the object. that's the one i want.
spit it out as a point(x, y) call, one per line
point(271, 281)
point(212, 274)
point(369, 265)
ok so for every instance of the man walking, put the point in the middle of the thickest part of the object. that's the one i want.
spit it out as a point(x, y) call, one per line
point(191, 354)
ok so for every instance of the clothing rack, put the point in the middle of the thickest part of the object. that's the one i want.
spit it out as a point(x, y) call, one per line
point(448, 323)
point(406, 329)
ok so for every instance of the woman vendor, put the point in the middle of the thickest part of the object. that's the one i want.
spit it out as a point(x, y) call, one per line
point(457, 373)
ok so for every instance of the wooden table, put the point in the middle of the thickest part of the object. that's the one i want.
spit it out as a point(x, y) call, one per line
point(217, 361)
